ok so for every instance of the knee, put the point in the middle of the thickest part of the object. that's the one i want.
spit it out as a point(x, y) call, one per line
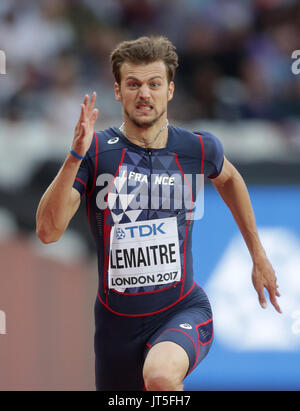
point(162, 380)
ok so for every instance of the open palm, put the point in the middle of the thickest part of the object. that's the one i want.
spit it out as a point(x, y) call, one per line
point(84, 129)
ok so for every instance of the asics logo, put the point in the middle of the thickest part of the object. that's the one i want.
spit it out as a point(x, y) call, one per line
point(186, 326)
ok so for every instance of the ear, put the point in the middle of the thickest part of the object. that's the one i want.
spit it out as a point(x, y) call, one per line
point(118, 95)
point(171, 89)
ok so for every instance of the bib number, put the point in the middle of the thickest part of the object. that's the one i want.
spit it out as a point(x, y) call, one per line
point(144, 253)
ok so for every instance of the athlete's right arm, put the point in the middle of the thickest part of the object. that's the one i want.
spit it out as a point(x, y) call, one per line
point(61, 201)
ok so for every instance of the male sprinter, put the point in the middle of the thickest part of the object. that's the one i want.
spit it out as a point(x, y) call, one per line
point(153, 323)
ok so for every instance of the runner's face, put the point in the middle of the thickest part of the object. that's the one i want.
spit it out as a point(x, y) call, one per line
point(144, 93)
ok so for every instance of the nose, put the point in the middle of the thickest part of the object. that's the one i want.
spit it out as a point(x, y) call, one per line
point(144, 92)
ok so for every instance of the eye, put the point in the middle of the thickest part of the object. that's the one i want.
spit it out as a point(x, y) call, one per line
point(154, 84)
point(133, 85)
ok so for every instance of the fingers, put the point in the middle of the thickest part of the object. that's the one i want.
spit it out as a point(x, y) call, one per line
point(85, 125)
point(272, 295)
point(80, 129)
point(83, 108)
point(94, 116)
point(88, 108)
point(89, 104)
point(92, 102)
point(78, 125)
point(88, 115)
point(261, 297)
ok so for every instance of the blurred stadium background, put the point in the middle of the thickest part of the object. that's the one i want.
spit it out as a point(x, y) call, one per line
point(234, 80)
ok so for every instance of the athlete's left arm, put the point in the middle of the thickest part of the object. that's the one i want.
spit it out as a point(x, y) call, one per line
point(232, 188)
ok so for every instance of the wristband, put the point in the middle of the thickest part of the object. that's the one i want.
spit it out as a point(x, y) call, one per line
point(74, 154)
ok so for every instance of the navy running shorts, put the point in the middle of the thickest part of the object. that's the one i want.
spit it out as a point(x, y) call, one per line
point(122, 342)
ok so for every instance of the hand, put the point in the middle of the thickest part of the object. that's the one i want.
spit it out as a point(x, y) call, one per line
point(263, 276)
point(84, 129)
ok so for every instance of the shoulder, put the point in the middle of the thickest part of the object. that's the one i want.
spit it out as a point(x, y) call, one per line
point(185, 142)
point(213, 153)
point(196, 143)
point(211, 144)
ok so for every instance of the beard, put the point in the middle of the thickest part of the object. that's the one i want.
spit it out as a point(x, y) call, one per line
point(142, 123)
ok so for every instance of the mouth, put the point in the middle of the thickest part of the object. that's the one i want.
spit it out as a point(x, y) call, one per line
point(144, 108)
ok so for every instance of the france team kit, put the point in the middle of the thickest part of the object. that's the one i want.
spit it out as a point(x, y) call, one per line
point(141, 208)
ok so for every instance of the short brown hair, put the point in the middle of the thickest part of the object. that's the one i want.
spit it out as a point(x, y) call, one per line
point(145, 50)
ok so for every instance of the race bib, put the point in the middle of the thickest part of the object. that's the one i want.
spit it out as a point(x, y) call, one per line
point(144, 253)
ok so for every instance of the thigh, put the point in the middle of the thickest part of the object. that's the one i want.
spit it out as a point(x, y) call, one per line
point(190, 329)
point(119, 352)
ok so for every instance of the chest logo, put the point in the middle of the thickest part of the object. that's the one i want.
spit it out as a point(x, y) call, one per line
point(113, 140)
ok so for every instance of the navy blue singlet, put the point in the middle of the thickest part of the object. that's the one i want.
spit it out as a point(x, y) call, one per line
point(140, 205)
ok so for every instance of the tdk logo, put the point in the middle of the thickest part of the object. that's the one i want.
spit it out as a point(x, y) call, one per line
point(145, 230)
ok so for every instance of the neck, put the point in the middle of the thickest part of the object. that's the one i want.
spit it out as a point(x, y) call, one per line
point(155, 136)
